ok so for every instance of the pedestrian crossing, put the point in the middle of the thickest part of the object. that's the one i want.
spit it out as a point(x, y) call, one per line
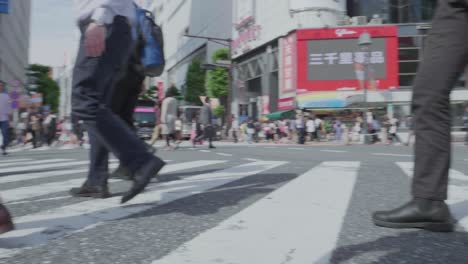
point(299, 222)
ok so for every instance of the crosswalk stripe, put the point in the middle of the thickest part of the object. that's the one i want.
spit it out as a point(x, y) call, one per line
point(13, 160)
point(408, 168)
point(392, 155)
point(262, 234)
point(45, 166)
point(456, 194)
point(46, 174)
point(24, 163)
point(88, 213)
point(28, 192)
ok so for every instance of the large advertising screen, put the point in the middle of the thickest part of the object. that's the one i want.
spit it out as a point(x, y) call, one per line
point(4, 6)
point(332, 59)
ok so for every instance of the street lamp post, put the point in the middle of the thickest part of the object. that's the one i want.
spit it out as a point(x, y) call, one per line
point(365, 42)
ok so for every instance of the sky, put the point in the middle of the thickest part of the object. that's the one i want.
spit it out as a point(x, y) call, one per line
point(54, 35)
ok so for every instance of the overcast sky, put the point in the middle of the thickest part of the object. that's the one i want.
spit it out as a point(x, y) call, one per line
point(53, 32)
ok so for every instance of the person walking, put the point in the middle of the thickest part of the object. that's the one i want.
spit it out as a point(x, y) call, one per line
point(168, 118)
point(465, 124)
point(206, 119)
point(300, 129)
point(235, 128)
point(445, 58)
point(311, 130)
point(5, 116)
point(104, 53)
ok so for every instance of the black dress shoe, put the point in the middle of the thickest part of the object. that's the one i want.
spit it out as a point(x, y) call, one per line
point(212, 147)
point(91, 191)
point(418, 213)
point(6, 223)
point(142, 177)
point(122, 173)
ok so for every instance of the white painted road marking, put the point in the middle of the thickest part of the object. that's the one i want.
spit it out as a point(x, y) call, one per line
point(333, 151)
point(224, 154)
point(24, 163)
point(297, 223)
point(206, 151)
point(46, 166)
point(296, 148)
point(62, 221)
point(392, 155)
point(13, 160)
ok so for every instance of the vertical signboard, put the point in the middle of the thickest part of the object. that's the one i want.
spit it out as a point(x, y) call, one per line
point(4, 6)
point(288, 56)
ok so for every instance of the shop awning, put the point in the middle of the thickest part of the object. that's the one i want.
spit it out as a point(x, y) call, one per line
point(282, 114)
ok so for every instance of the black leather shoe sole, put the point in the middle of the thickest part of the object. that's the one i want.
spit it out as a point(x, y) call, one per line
point(430, 226)
point(78, 192)
point(140, 183)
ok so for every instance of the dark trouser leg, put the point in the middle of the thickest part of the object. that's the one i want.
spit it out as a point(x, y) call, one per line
point(99, 165)
point(93, 86)
point(445, 58)
point(4, 128)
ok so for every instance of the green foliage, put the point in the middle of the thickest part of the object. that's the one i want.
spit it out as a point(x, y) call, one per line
point(219, 111)
point(195, 83)
point(46, 86)
point(150, 95)
point(218, 79)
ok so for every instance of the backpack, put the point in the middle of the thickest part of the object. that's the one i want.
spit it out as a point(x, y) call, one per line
point(152, 43)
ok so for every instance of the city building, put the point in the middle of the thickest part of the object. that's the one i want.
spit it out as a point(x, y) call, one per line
point(15, 20)
point(178, 18)
point(260, 29)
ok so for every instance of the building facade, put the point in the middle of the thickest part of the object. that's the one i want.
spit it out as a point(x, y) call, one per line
point(14, 38)
point(258, 29)
point(205, 18)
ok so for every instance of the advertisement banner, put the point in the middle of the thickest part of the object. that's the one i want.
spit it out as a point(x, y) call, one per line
point(288, 72)
point(4, 6)
point(331, 59)
point(265, 104)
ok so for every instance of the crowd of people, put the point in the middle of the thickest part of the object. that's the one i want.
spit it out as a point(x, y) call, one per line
point(310, 128)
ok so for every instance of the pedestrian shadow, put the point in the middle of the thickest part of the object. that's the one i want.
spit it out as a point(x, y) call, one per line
point(213, 200)
point(415, 247)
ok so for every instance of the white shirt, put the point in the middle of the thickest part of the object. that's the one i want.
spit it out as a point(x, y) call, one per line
point(299, 123)
point(310, 126)
point(104, 11)
point(318, 122)
point(5, 107)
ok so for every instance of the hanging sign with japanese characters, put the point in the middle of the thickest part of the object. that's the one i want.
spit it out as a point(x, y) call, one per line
point(332, 59)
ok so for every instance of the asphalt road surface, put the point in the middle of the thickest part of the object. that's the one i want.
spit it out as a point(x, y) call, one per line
point(237, 204)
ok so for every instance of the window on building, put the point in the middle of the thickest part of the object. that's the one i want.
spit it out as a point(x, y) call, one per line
point(411, 11)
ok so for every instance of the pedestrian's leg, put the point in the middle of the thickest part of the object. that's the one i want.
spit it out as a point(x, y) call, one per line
point(4, 128)
point(93, 86)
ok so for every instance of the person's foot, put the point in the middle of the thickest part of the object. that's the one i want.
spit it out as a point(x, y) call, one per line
point(122, 173)
point(418, 213)
point(100, 192)
point(142, 178)
point(4, 153)
point(6, 224)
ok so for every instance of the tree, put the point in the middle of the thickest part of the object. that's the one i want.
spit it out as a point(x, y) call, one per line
point(219, 111)
point(45, 85)
point(195, 83)
point(218, 79)
point(150, 94)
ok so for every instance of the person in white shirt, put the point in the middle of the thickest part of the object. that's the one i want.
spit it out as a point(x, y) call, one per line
point(5, 115)
point(105, 50)
point(318, 128)
point(311, 129)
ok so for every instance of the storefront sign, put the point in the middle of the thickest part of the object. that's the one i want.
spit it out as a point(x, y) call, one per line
point(265, 105)
point(288, 72)
point(331, 59)
point(286, 104)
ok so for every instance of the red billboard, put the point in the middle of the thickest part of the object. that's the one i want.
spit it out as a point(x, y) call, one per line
point(331, 59)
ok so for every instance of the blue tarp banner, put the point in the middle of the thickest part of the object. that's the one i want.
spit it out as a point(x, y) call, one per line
point(4, 6)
